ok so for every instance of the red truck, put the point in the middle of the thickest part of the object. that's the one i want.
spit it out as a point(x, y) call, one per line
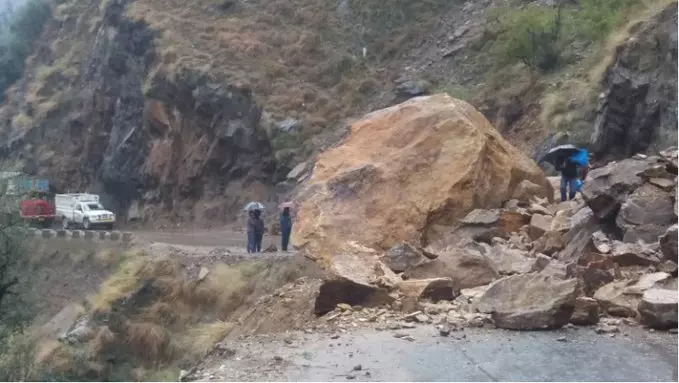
point(31, 195)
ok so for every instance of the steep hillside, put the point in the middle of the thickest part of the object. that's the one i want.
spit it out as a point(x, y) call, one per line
point(185, 110)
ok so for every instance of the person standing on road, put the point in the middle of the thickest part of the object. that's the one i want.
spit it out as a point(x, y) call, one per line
point(251, 229)
point(573, 173)
point(286, 228)
point(258, 230)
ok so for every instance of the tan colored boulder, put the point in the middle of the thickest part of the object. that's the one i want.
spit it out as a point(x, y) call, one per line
point(511, 221)
point(404, 170)
point(465, 266)
point(539, 225)
point(658, 308)
point(586, 312)
point(526, 190)
point(529, 302)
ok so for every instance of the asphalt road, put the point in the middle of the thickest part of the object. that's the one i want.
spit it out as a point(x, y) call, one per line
point(470, 355)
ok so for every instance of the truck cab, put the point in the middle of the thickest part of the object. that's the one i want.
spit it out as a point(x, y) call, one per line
point(83, 210)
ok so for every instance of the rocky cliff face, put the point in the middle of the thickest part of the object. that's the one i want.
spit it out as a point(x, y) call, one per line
point(107, 122)
point(638, 104)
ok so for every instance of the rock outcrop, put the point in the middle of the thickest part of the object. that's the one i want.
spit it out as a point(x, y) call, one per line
point(98, 115)
point(638, 104)
point(405, 170)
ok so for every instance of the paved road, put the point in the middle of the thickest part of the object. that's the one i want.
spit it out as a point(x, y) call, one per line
point(482, 355)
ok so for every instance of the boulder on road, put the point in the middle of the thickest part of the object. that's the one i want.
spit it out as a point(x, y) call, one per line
point(608, 187)
point(465, 266)
point(621, 298)
point(658, 308)
point(668, 244)
point(646, 214)
point(405, 170)
point(586, 311)
point(529, 302)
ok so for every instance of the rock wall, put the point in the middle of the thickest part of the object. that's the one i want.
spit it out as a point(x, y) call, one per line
point(638, 103)
point(155, 144)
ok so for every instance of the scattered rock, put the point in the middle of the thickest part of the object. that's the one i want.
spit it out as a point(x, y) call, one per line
point(464, 266)
point(183, 374)
point(646, 214)
point(434, 289)
point(204, 271)
point(586, 311)
point(270, 249)
point(358, 367)
point(297, 171)
point(481, 217)
point(561, 339)
point(526, 190)
point(412, 88)
point(608, 187)
point(668, 244)
point(539, 225)
point(633, 254)
point(621, 298)
point(529, 302)
point(510, 261)
point(550, 243)
point(658, 308)
point(344, 307)
point(541, 261)
point(402, 256)
point(601, 242)
point(607, 329)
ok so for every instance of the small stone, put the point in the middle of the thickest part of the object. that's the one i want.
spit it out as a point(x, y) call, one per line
point(400, 335)
point(408, 338)
point(344, 307)
point(336, 336)
point(358, 367)
point(278, 358)
point(422, 318)
point(673, 331)
point(561, 339)
point(183, 374)
point(350, 377)
point(445, 331)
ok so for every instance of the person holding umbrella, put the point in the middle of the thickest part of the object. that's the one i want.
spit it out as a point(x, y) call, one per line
point(573, 163)
point(286, 225)
point(255, 226)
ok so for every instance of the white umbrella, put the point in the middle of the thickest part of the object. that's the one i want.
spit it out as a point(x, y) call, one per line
point(254, 206)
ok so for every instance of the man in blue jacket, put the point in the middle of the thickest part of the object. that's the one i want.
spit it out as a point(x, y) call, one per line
point(573, 171)
point(286, 228)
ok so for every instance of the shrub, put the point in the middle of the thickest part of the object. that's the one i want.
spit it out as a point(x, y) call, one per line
point(532, 36)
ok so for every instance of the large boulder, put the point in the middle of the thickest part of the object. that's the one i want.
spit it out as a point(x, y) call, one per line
point(467, 268)
point(586, 311)
point(608, 187)
point(646, 214)
point(658, 308)
point(529, 302)
point(404, 170)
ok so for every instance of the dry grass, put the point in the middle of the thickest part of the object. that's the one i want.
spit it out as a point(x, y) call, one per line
point(295, 55)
